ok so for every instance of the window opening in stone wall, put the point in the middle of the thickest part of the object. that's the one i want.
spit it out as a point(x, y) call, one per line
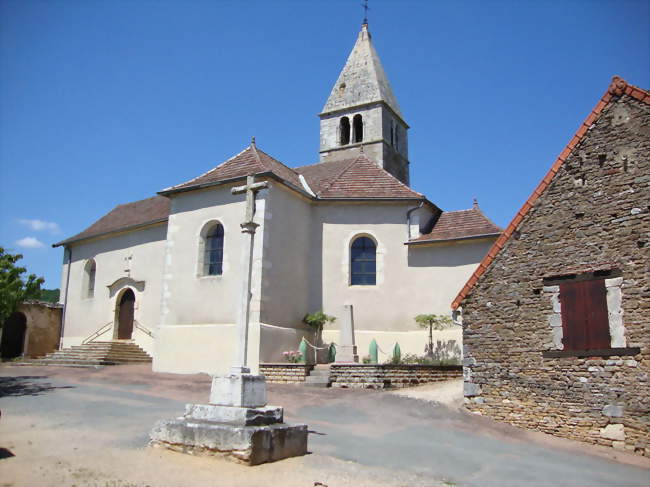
point(392, 135)
point(357, 122)
point(363, 262)
point(344, 131)
point(91, 271)
point(585, 324)
point(213, 258)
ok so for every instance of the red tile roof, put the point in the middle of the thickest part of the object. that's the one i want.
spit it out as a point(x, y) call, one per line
point(357, 178)
point(454, 225)
point(249, 161)
point(617, 88)
point(125, 217)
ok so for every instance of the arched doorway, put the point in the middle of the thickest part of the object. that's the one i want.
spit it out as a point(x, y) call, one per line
point(13, 336)
point(125, 315)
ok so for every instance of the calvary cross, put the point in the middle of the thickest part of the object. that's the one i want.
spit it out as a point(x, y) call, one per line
point(247, 227)
point(250, 188)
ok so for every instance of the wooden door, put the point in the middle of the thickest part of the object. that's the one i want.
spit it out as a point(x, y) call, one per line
point(585, 324)
point(125, 318)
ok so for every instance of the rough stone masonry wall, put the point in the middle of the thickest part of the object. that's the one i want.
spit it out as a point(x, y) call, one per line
point(285, 373)
point(596, 211)
point(382, 376)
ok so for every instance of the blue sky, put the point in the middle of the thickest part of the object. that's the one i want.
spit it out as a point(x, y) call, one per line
point(106, 102)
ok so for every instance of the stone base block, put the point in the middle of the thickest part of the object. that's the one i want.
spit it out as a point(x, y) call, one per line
point(250, 445)
point(347, 354)
point(234, 415)
point(238, 389)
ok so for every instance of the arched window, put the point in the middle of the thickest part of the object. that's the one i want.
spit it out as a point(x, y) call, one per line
point(90, 269)
point(213, 253)
point(344, 131)
point(357, 123)
point(363, 262)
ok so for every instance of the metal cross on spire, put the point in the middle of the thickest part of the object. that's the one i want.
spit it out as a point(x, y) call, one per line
point(365, 11)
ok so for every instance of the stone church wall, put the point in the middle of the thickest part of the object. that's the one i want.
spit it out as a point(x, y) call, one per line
point(406, 276)
point(594, 215)
point(199, 313)
point(138, 255)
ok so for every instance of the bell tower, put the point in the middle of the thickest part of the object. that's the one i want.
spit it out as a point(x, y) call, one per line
point(362, 111)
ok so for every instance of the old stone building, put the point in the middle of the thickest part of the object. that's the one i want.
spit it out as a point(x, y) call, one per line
point(166, 272)
point(556, 318)
point(33, 330)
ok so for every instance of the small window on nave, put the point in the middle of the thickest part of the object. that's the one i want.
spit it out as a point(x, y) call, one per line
point(363, 262)
point(213, 251)
point(90, 270)
point(344, 131)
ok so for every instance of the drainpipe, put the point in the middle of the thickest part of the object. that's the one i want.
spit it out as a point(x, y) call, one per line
point(65, 299)
point(408, 219)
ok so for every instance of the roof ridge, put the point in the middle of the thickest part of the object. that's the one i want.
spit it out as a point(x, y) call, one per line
point(277, 161)
point(206, 172)
point(334, 179)
point(616, 88)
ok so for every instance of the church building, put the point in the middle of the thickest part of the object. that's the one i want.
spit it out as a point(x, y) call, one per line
point(166, 272)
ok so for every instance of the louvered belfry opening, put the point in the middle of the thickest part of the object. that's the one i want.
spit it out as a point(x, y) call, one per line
point(344, 130)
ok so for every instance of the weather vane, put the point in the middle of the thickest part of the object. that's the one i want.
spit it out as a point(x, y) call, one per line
point(365, 11)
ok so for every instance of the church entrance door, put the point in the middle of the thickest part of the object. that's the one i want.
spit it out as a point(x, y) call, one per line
point(125, 316)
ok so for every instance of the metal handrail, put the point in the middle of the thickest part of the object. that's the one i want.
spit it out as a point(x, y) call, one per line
point(143, 328)
point(97, 333)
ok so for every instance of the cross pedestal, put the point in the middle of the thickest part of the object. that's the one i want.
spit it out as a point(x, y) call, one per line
point(237, 422)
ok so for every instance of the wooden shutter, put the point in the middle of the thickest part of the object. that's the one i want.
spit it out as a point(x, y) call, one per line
point(585, 324)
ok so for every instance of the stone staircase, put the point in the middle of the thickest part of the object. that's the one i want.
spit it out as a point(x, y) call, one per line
point(319, 376)
point(95, 353)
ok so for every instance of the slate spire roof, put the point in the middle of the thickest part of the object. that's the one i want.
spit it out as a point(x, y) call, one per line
point(362, 79)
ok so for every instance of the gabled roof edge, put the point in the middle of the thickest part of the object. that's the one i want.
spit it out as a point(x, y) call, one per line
point(617, 87)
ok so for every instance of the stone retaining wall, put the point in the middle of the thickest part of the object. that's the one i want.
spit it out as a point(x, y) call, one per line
point(285, 373)
point(382, 376)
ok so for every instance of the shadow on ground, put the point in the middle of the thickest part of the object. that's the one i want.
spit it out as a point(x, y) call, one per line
point(26, 385)
point(4, 453)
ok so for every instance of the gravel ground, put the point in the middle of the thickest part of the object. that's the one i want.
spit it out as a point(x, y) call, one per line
point(89, 427)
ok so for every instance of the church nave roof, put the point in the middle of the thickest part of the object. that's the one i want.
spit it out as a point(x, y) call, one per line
point(125, 217)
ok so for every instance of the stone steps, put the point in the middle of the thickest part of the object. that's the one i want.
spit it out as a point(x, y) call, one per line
point(94, 354)
point(319, 377)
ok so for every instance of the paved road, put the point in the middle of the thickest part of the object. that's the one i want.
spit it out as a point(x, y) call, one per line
point(89, 427)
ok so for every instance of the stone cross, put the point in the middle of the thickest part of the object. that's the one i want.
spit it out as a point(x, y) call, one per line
point(248, 228)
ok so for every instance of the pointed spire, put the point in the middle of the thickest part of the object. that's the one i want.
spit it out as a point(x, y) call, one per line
point(362, 79)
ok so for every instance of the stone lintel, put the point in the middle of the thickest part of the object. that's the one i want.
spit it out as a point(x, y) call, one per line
point(234, 415)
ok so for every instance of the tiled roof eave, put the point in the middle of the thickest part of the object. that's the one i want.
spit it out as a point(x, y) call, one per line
point(130, 228)
point(617, 88)
point(455, 239)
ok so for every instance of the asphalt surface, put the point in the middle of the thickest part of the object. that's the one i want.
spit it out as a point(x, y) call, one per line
point(90, 427)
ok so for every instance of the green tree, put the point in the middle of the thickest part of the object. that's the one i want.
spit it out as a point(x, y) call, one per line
point(50, 295)
point(317, 320)
point(437, 322)
point(14, 288)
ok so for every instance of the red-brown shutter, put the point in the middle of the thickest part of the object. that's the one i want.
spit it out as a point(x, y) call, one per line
point(585, 324)
point(572, 324)
point(597, 320)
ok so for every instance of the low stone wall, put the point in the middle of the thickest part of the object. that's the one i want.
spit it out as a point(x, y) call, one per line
point(285, 373)
point(382, 376)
